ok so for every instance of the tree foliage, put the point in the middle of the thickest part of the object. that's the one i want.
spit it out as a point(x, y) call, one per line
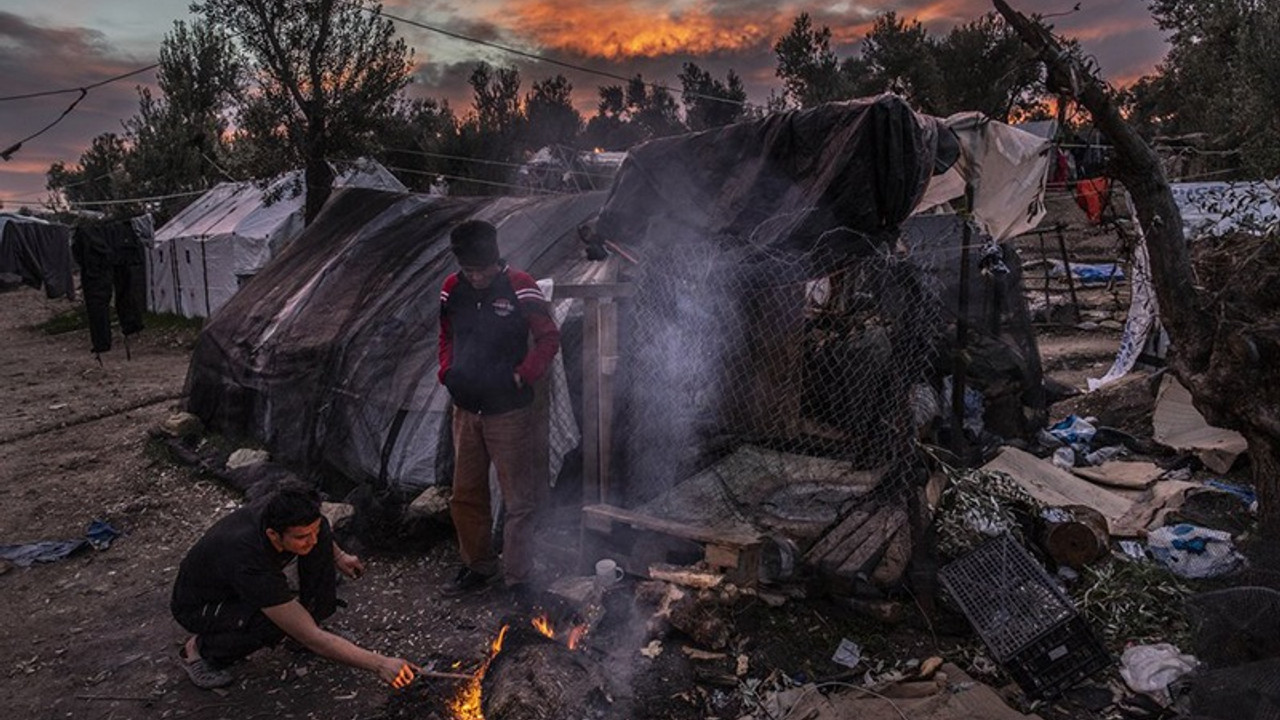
point(708, 102)
point(936, 74)
point(327, 74)
point(1220, 80)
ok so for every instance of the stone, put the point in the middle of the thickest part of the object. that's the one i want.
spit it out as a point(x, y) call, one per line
point(182, 425)
point(335, 512)
point(245, 457)
point(432, 502)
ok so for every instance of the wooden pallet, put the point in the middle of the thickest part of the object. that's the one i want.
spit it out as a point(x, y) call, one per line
point(637, 541)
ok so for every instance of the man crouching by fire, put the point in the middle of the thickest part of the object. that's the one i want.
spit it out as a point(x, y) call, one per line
point(232, 594)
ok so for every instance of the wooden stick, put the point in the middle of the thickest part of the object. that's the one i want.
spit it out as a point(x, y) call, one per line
point(444, 675)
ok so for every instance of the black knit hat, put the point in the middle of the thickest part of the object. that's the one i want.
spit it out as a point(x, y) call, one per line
point(475, 243)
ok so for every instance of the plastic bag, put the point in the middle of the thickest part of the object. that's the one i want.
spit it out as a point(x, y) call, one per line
point(1191, 551)
point(1149, 669)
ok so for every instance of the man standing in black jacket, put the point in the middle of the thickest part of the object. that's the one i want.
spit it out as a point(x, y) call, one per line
point(488, 312)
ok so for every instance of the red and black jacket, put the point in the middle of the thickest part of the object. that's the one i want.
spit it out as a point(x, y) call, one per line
point(484, 341)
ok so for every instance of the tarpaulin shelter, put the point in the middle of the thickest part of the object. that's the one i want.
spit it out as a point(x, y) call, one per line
point(329, 354)
point(205, 253)
point(37, 253)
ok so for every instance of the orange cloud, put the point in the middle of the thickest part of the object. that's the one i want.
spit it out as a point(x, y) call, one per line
point(618, 30)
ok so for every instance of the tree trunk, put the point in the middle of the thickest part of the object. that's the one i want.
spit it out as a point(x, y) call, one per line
point(1229, 367)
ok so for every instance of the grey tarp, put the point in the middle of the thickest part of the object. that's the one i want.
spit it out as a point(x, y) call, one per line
point(328, 355)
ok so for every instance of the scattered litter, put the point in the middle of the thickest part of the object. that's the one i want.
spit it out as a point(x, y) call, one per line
point(98, 536)
point(1064, 457)
point(351, 696)
point(848, 654)
point(1246, 495)
point(1191, 551)
point(1133, 549)
point(743, 665)
point(1073, 430)
point(1149, 669)
point(1103, 454)
point(652, 650)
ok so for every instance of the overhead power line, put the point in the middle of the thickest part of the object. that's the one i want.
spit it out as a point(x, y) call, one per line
point(83, 88)
point(541, 58)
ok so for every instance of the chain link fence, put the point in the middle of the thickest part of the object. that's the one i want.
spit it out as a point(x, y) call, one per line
point(774, 389)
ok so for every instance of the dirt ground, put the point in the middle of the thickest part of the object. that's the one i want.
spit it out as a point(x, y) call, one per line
point(91, 637)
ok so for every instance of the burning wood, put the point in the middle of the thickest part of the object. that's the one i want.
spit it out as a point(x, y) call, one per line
point(545, 675)
point(537, 677)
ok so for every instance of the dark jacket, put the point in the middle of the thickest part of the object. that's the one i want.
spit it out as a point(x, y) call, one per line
point(484, 341)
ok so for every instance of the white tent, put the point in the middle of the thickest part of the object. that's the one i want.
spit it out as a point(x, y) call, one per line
point(204, 254)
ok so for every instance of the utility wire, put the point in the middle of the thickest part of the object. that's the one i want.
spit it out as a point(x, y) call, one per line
point(541, 58)
point(479, 161)
point(84, 88)
point(464, 178)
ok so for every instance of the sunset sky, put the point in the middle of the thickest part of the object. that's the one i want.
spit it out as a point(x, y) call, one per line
point(55, 44)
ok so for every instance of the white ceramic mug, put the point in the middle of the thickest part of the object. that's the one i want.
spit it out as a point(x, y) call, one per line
point(608, 573)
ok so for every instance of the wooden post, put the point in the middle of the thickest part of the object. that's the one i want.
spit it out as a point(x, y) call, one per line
point(608, 365)
point(1066, 265)
point(591, 401)
point(599, 360)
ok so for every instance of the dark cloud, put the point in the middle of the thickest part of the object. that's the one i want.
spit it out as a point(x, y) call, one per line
point(35, 58)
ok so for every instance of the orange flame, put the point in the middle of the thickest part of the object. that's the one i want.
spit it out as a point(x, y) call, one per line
point(466, 704)
point(576, 633)
point(542, 624)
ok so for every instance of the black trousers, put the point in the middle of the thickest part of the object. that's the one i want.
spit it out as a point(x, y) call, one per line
point(229, 631)
point(128, 284)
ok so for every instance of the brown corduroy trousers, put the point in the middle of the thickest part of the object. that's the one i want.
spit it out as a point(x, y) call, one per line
point(507, 441)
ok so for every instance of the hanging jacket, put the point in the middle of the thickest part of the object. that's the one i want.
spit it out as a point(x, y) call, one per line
point(484, 341)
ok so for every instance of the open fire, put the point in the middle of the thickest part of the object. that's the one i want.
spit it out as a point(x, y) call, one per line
point(466, 704)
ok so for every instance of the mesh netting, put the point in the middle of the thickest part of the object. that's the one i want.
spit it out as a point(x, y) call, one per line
point(783, 387)
point(1235, 626)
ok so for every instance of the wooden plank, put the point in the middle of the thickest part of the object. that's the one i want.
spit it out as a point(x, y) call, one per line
point(893, 565)
point(689, 532)
point(595, 290)
point(839, 534)
point(876, 534)
point(591, 401)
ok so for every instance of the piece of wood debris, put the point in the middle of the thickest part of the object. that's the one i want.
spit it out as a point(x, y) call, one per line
point(692, 577)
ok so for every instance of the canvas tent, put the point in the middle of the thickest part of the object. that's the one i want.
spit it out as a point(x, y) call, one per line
point(201, 257)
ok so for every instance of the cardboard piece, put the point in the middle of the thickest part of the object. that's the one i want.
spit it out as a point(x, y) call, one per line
point(1054, 486)
point(1126, 475)
point(1150, 509)
point(962, 698)
point(1180, 426)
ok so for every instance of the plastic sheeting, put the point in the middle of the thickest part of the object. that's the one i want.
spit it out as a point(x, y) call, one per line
point(1217, 208)
point(38, 252)
point(201, 257)
point(778, 184)
point(328, 356)
point(1008, 168)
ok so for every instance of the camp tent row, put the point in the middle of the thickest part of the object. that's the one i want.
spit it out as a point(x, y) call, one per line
point(202, 256)
point(328, 354)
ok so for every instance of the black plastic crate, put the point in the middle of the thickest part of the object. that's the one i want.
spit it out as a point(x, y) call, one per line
point(1059, 660)
point(1027, 622)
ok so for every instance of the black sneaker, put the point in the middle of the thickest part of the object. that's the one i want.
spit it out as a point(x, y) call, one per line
point(466, 581)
